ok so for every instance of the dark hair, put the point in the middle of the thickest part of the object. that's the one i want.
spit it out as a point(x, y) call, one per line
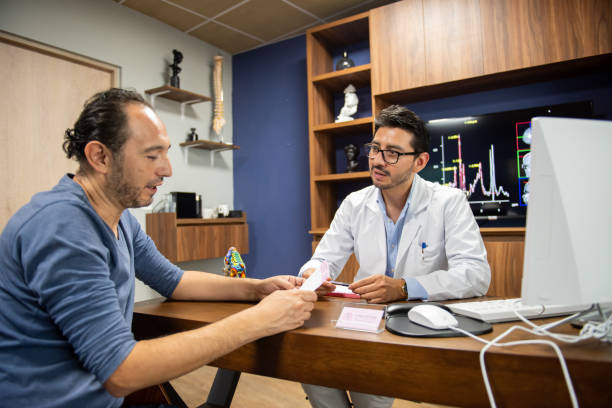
point(399, 117)
point(103, 119)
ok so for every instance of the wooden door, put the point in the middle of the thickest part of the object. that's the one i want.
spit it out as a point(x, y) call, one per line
point(43, 91)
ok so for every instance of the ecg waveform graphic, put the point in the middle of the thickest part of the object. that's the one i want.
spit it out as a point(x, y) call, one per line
point(493, 193)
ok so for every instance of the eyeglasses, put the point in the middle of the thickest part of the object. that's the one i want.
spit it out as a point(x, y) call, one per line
point(389, 156)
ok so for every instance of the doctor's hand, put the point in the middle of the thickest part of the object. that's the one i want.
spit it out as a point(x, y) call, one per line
point(266, 286)
point(379, 288)
point(326, 288)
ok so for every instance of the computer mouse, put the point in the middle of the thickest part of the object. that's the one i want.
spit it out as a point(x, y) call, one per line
point(432, 316)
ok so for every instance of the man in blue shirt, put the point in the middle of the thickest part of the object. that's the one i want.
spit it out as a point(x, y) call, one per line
point(412, 239)
point(68, 261)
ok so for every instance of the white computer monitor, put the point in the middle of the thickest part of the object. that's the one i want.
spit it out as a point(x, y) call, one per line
point(568, 243)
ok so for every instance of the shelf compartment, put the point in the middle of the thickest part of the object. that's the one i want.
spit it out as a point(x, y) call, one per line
point(336, 81)
point(344, 32)
point(360, 125)
point(358, 175)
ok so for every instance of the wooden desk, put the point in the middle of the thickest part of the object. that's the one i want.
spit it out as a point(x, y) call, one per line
point(444, 371)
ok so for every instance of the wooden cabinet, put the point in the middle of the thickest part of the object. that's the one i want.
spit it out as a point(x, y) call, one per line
point(525, 33)
point(396, 46)
point(453, 40)
point(190, 239)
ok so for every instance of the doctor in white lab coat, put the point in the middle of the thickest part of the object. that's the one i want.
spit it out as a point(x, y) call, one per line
point(413, 239)
point(440, 245)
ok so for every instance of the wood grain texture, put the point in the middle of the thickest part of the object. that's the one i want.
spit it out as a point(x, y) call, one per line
point(453, 42)
point(189, 240)
point(442, 370)
point(513, 33)
point(505, 255)
point(210, 241)
point(161, 227)
point(397, 49)
point(345, 31)
point(523, 33)
point(336, 81)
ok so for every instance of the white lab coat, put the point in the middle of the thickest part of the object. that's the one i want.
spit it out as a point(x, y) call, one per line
point(454, 262)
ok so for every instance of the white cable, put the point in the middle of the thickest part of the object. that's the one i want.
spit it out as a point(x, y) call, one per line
point(590, 330)
point(495, 342)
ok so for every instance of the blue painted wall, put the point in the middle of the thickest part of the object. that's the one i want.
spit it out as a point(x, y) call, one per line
point(271, 177)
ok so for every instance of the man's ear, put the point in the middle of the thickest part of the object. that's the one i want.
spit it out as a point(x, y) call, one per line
point(421, 161)
point(98, 156)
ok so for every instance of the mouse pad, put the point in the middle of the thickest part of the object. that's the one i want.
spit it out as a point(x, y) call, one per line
point(398, 323)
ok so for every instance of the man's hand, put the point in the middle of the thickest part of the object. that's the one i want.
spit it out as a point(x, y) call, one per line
point(285, 310)
point(326, 288)
point(266, 286)
point(379, 288)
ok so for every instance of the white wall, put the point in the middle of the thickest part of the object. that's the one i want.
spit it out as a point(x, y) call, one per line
point(142, 47)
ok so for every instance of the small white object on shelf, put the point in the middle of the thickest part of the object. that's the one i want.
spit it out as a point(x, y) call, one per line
point(350, 104)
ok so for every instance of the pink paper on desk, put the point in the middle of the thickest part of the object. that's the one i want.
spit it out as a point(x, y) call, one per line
point(356, 318)
point(344, 291)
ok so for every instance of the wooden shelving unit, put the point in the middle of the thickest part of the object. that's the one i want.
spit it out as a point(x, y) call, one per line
point(338, 80)
point(176, 94)
point(324, 83)
point(344, 128)
point(411, 59)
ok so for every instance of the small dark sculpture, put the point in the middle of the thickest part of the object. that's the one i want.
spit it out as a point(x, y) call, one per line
point(191, 136)
point(174, 79)
point(351, 152)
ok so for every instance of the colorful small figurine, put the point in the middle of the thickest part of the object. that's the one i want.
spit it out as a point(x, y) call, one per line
point(234, 265)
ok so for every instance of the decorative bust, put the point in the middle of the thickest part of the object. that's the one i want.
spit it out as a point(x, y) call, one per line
point(191, 136)
point(351, 152)
point(174, 79)
point(350, 104)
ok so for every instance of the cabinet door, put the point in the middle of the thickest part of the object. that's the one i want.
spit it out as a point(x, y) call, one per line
point(453, 42)
point(524, 33)
point(397, 49)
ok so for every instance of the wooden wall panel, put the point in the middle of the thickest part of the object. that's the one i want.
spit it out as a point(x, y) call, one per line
point(453, 41)
point(397, 50)
point(43, 90)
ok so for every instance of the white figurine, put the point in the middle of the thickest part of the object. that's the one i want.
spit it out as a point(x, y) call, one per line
point(350, 104)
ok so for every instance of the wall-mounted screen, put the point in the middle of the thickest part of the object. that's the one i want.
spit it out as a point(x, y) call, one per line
point(488, 156)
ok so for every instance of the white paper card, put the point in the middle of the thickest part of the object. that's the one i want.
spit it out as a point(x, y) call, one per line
point(317, 278)
point(362, 319)
point(313, 282)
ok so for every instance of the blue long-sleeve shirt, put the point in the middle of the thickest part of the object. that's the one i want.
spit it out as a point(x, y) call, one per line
point(67, 296)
